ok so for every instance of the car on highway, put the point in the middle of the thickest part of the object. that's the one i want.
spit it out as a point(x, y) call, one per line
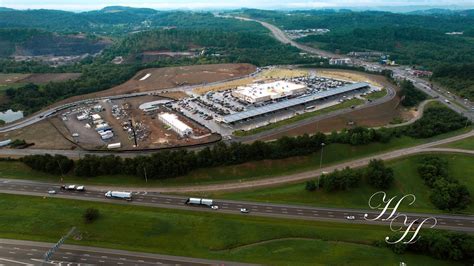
point(350, 217)
point(80, 188)
point(244, 210)
point(51, 192)
point(214, 207)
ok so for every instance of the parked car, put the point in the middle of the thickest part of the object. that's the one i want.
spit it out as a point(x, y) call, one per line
point(51, 192)
point(214, 207)
point(350, 217)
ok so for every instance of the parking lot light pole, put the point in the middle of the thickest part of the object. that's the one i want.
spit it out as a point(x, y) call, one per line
point(321, 160)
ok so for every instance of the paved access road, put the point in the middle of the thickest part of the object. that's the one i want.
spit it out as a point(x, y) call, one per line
point(155, 199)
point(17, 252)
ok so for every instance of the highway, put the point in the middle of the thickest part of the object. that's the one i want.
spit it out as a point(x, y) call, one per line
point(17, 252)
point(156, 199)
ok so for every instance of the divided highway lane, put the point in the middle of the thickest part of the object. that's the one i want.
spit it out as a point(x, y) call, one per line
point(17, 252)
point(155, 199)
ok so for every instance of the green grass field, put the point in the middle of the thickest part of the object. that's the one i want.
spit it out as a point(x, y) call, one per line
point(467, 144)
point(334, 153)
point(407, 181)
point(200, 234)
point(376, 95)
point(300, 117)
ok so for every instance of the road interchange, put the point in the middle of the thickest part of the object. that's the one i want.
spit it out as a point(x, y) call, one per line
point(19, 252)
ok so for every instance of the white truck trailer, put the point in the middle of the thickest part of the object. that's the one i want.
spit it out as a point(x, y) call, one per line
point(119, 195)
point(114, 145)
point(198, 201)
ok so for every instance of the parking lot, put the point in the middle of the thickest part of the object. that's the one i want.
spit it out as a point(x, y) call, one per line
point(210, 108)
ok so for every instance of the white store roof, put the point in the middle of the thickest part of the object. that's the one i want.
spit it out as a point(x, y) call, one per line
point(292, 102)
point(174, 120)
point(273, 89)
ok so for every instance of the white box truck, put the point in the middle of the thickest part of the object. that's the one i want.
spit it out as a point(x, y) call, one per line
point(119, 195)
point(198, 201)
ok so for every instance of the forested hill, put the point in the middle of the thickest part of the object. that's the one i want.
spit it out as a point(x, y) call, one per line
point(408, 39)
point(231, 46)
point(63, 21)
point(344, 20)
point(117, 20)
point(458, 77)
point(32, 42)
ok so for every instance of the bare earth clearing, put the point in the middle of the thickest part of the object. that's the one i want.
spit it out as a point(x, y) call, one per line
point(171, 77)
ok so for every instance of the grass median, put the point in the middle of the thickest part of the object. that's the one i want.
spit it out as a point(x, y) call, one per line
point(407, 181)
point(208, 235)
point(466, 144)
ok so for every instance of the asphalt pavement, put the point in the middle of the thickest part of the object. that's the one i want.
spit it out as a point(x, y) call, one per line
point(18, 252)
point(156, 199)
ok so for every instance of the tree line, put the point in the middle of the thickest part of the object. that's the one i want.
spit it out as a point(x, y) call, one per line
point(446, 245)
point(459, 77)
point(446, 192)
point(168, 164)
point(375, 174)
point(410, 95)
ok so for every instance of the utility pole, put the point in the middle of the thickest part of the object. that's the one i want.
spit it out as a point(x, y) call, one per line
point(134, 133)
point(321, 160)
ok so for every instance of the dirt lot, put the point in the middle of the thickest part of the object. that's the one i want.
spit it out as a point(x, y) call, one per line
point(7, 79)
point(159, 135)
point(378, 115)
point(170, 77)
point(49, 77)
point(151, 133)
point(43, 134)
point(267, 74)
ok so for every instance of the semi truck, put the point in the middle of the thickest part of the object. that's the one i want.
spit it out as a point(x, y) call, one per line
point(198, 201)
point(119, 195)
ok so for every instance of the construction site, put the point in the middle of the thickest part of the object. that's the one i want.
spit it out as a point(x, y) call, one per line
point(131, 123)
point(188, 115)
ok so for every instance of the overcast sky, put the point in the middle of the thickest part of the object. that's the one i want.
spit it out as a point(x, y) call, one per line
point(80, 5)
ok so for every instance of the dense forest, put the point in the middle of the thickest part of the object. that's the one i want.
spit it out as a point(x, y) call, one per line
point(457, 77)
point(257, 48)
point(117, 20)
point(417, 38)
